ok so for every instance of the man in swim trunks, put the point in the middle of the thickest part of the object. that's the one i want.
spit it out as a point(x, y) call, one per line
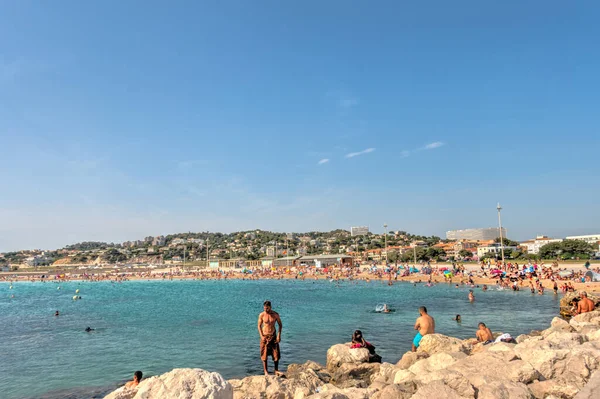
point(585, 304)
point(269, 336)
point(484, 334)
point(424, 325)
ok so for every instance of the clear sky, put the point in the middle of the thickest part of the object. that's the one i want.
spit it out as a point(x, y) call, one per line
point(122, 119)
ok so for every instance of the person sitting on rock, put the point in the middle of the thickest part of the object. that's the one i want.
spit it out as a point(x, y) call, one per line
point(484, 334)
point(424, 325)
point(585, 304)
point(137, 377)
point(358, 341)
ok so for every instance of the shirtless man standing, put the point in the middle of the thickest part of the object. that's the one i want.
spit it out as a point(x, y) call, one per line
point(269, 337)
point(424, 325)
point(585, 304)
point(484, 334)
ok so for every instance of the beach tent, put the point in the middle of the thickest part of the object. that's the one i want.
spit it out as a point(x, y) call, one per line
point(594, 277)
point(414, 270)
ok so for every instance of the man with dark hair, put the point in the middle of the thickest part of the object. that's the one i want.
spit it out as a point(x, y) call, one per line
point(269, 337)
point(484, 334)
point(424, 325)
point(137, 377)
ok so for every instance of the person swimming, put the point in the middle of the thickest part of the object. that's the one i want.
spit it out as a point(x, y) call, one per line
point(385, 308)
point(457, 318)
point(56, 313)
point(89, 329)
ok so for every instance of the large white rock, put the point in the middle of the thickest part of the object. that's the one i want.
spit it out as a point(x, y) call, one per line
point(410, 358)
point(342, 353)
point(394, 391)
point(561, 324)
point(486, 367)
point(436, 343)
point(504, 390)
point(437, 361)
point(304, 383)
point(185, 384)
point(402, 376)
point(122, 393)
point(452, 379)
point(437, 389)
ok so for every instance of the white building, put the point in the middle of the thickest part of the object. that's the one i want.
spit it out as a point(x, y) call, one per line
point(593, 239)
point(486, 234)
point(159, 241)
point(359, 231)
point(494, 249)
point(533, 246)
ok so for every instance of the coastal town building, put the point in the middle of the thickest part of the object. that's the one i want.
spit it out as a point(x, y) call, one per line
point(495, 249)
point(159, 241)
point(326, 260)
point(533, 246)
point(359, 231)
point(489, 233)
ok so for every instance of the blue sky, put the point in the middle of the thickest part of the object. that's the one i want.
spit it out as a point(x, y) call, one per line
point(122, 119)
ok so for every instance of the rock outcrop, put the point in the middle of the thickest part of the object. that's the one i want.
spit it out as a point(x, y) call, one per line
point(179, 384)
point(562, 361)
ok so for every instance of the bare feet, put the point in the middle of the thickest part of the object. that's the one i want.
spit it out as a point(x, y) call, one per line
point(279, 374)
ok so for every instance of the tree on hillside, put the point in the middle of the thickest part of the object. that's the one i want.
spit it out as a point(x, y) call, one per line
point(507, 242)
point(463, 253)
point(567, 249)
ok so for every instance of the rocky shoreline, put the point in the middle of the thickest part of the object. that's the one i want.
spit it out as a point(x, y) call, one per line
point(559, 362)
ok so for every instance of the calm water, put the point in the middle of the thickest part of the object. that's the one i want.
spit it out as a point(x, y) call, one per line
point(160, 325)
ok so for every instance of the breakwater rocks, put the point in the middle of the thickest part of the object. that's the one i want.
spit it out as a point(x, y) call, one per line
point(554, 363)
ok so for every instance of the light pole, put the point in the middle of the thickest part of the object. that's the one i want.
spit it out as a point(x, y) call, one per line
point(207, 255)
point(385, 240)
point(415, 254)
point(499, 208)
point(287, 252)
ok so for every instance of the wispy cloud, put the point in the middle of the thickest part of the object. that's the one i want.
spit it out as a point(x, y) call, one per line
point(322, 161)
point(404, 154)
point(355, 154)
point(435, 144)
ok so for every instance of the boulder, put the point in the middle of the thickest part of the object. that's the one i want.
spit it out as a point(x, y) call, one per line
point(543, 360)
point(590, 391)
point(329, 391)
point(295, 370)
point(522, 338)
point(304, 384)
point(410, 358)
point(560, 339)
point(395, 391)
point(122, 393)
point(569, 301)
point(504, 390)
point(505, 349)
point(548, 388)
point(385, 374)
point(561, 324)
point(436, 343)
point(354, 375)
point(452, 379)
point(437, 389)
point(483, 368)
point(403, 376)
point(185, 384)
point(435, 362)
point(342, 353)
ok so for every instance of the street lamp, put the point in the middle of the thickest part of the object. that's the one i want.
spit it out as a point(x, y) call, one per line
point(499, 208)
point(385, 238)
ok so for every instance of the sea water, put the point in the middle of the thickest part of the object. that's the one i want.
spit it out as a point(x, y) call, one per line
point(155, 326)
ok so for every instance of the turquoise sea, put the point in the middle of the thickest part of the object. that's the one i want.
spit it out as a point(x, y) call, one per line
point(155, 326)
